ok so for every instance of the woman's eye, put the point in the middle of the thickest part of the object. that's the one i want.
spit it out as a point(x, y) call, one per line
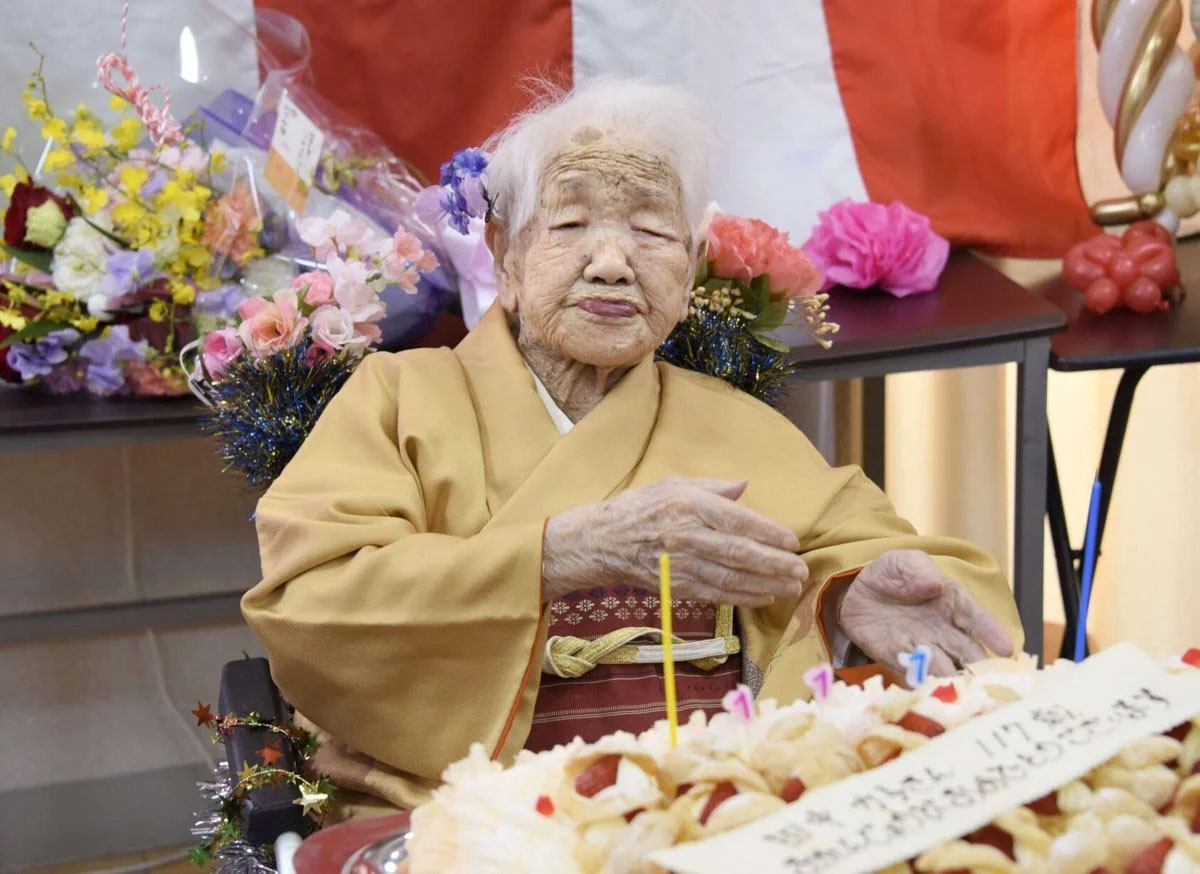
point(566, 226)
point(652, 232)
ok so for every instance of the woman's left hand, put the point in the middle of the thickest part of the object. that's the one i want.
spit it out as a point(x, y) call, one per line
point(901, 600)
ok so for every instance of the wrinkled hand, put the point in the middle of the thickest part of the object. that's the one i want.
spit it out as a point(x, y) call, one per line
point(720, 550)
point(901, 600)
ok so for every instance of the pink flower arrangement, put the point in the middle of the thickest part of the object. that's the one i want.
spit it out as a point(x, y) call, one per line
point(741, 248)
point(867, 245)
point(329, 311)
point(755, 274)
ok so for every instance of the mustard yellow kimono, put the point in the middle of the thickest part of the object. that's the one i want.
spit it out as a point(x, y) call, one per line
point(401, 548)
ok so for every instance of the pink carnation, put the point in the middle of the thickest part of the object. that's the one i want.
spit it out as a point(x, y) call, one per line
point(740, 248)
point(863, 245)
point(269, 326)
point(220, 348)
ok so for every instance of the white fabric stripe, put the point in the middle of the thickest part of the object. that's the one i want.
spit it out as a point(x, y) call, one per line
point(765, 72)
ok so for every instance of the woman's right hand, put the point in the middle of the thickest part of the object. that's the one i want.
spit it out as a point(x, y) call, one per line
point(720, 551)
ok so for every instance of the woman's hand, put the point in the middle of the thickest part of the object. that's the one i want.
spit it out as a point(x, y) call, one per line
point(901, 600)
point(720, 550)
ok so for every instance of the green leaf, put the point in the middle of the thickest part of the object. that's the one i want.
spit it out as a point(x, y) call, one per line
point(773, 315)
point(106, 233)
point(701, 273)
point(36, 260)
point(754, 297)
point(771, 342)
point(31, 332)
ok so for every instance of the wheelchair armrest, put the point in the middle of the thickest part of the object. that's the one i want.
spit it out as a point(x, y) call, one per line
point(269, 811)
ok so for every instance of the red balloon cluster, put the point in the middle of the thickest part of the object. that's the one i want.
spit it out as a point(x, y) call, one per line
point(1136, 269)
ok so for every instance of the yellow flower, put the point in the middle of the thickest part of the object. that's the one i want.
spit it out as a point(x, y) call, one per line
point(118, 103)
point(89, 135)
point(218, 163)
point(58, 159)
point(196, 256)
point(127, 133)
point(10, 134)
point(44, 225)
point(7, 183)
point(86, 324)
point(94, 199)
point(13, 319)
point(35, 107)
point(158, 311)
point(182, 293)
point(54, 129)
point(128, 213)
point(132, 179)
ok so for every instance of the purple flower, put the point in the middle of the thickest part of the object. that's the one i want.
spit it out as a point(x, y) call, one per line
point(155, 183)
point(127, 270)
point(63, 379)
point(38, 357)
point(105, 356)
point(221, 302)
point(462, 164)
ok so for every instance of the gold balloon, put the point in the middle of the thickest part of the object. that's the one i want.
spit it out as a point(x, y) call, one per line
point(1158, 41)
point(1123, 210)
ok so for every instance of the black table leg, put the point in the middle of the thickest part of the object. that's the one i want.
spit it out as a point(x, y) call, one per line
point(1070, 561)
point(1064, 559)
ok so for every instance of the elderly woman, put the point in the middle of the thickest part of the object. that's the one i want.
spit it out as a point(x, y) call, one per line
point(466, 547)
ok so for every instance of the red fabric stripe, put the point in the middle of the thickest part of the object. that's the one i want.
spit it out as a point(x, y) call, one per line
point(431, 77)
point(966, 111)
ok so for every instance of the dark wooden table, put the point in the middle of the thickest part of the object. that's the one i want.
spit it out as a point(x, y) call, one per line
point(1132, 343)
point(32, 420)
point(977, 316)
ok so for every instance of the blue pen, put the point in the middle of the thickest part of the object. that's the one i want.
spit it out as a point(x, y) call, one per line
point(1089, 568)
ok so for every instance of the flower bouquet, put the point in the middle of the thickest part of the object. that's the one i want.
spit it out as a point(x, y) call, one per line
point(269, 376)
point(115, 251)
point(753, 280)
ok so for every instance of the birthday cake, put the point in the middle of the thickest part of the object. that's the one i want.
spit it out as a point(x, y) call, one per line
point(609, 807)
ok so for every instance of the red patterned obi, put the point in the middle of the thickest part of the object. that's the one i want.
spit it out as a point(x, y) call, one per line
point(625, 697)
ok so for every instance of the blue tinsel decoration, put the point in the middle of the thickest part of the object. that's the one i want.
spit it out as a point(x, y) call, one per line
point(264, 408)
point(723, 346)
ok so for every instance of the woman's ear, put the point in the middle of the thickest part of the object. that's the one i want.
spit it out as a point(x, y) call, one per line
point(496, 237)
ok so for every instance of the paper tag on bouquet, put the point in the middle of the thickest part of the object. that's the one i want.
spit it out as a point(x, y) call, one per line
point(295, 151)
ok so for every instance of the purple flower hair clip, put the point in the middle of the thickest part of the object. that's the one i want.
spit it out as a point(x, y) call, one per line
point(459, 195)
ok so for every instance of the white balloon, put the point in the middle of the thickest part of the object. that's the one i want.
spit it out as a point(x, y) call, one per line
point(1147, 145)
point(1119, 44)
point(1168, 220)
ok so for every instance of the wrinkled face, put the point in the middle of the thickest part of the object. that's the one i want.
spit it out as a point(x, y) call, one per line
point(602, 272)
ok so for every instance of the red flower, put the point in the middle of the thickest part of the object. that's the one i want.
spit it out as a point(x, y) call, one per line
point(7, 374)
point(24, 198)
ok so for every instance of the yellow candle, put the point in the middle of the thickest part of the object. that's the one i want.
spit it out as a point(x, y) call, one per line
point(664, 598)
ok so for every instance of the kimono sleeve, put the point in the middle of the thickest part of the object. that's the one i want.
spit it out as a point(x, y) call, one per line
point(403, 643)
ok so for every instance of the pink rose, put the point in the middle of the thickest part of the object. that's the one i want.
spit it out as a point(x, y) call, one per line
point(368, 332)
point(269, 326)
point(408, 248)
point(316, 286)
point(318, 353)
point(863, 245)
point(221, 347)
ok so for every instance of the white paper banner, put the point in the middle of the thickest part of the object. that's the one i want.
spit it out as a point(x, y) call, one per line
point(960, 780)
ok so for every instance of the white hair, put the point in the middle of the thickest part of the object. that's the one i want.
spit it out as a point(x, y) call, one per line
point(668, 118)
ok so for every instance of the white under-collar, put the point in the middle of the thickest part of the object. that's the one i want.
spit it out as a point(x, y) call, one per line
point(560, 419)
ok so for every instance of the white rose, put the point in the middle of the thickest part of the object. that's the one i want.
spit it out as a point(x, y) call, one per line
point(334, 327)
point(80, 259)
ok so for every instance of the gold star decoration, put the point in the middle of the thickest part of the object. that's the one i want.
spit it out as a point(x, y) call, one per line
point(310, 800)
point(246, 773)
point(203, 715)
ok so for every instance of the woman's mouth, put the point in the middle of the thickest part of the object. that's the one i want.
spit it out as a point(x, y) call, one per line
point(613, 309)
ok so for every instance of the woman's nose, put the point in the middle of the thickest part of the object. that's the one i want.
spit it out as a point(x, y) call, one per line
point(609, 262)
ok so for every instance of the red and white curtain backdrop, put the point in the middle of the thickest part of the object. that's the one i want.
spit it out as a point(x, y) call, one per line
point(964, 109)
